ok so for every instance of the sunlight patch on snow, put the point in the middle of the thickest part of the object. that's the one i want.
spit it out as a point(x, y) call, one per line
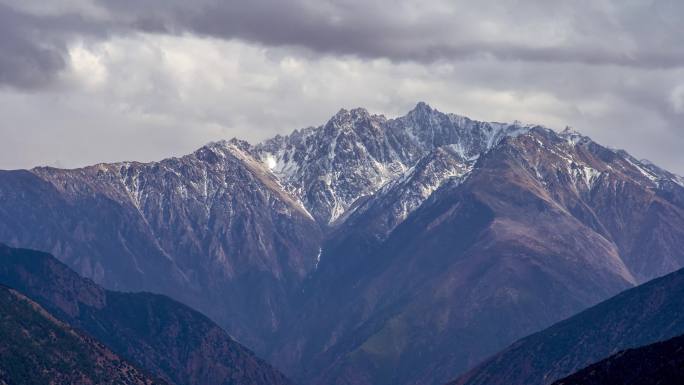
point(270, 162)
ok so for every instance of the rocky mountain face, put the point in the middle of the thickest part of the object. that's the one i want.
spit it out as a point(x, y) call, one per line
point(661, 363)
point(367, 250)
point(37, 348)
point(640, 316)
point(195, 228)
point(330, 167)
point(162, 336)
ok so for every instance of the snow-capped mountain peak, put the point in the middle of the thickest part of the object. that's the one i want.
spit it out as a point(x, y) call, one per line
point(356, 153)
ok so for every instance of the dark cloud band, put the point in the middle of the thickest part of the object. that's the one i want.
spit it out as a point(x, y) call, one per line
point(642, 34)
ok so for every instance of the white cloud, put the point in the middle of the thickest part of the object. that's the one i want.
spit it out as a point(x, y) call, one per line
point(86, 67)
point(677, 99)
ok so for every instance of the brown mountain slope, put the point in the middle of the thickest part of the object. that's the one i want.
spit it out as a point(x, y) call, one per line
point(36, 348)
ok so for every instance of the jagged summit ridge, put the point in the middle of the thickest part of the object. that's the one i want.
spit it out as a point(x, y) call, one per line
point(356, 153)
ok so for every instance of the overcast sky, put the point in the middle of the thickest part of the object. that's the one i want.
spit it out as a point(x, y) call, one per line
point(87, 81)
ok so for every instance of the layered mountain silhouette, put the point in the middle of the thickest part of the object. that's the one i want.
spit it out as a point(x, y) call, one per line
point(367, 250)
point(154, 332)
point(37, 348)
point(661, 363)
point(640, 316)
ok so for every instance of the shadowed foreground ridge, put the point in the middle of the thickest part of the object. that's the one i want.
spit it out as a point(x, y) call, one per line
point(661, 363)
point(640, 316)
point(36, 348)
point(155, 332)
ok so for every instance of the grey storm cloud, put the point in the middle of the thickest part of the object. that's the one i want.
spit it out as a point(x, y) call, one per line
point(625, 33)
point(23, 62)
point(34, 46)
point(647, 32)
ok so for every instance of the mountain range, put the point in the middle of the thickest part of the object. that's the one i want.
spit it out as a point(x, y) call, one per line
point(367, 250)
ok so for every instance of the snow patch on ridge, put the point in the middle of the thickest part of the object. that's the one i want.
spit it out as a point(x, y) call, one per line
point(318, 258)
